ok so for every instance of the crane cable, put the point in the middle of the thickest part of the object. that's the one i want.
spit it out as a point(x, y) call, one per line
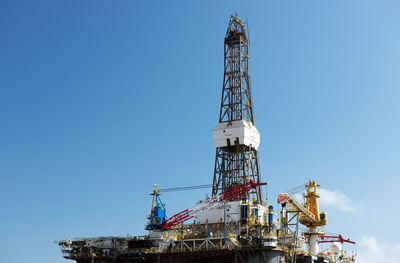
point(296, 189)
point(184, 188)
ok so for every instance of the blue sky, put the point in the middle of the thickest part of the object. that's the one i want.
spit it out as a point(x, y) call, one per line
point(99, 100)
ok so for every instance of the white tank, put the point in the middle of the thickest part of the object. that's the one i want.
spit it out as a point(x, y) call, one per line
point(336, 248)
point(244, 132)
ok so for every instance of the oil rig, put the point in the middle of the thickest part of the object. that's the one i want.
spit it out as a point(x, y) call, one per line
point(234, 224)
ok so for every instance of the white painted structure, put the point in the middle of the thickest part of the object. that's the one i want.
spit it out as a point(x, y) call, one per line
point(242, 131)
point(313, 244)
point(336, 248)
point(215, 213)
point(270, 241)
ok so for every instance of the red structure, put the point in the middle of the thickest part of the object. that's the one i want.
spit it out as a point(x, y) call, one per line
point(330, 239)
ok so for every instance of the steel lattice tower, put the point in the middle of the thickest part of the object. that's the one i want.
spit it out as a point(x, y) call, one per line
point(235, 137)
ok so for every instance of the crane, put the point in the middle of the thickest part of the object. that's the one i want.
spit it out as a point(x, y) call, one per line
point(309, 216)
point(330, 239)
point(227, 195)
point(158, 210)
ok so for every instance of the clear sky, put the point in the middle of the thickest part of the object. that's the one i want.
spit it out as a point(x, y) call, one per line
point(99, 100)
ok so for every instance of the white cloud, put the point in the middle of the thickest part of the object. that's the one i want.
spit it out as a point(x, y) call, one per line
point(335, 199)
point(299, 197)
point(371, 251)
point(331, 199)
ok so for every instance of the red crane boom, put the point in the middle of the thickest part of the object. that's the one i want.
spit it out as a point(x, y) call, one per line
point(330, 239)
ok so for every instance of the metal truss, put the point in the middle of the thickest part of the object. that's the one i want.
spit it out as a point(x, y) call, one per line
point(290, 232)
point(201, 244)
point(236, 100)
point(234, 168)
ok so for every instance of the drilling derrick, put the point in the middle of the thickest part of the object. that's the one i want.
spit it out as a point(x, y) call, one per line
point(235, 137)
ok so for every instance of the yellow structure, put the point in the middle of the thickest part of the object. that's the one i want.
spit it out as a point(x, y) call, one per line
point(313, 207)
point(309, 215)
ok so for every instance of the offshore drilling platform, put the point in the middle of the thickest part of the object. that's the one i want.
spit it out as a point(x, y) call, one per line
point(234, 224)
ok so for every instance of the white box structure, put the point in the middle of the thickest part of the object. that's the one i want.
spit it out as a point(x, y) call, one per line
point(244, 132)
point(215, 214)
